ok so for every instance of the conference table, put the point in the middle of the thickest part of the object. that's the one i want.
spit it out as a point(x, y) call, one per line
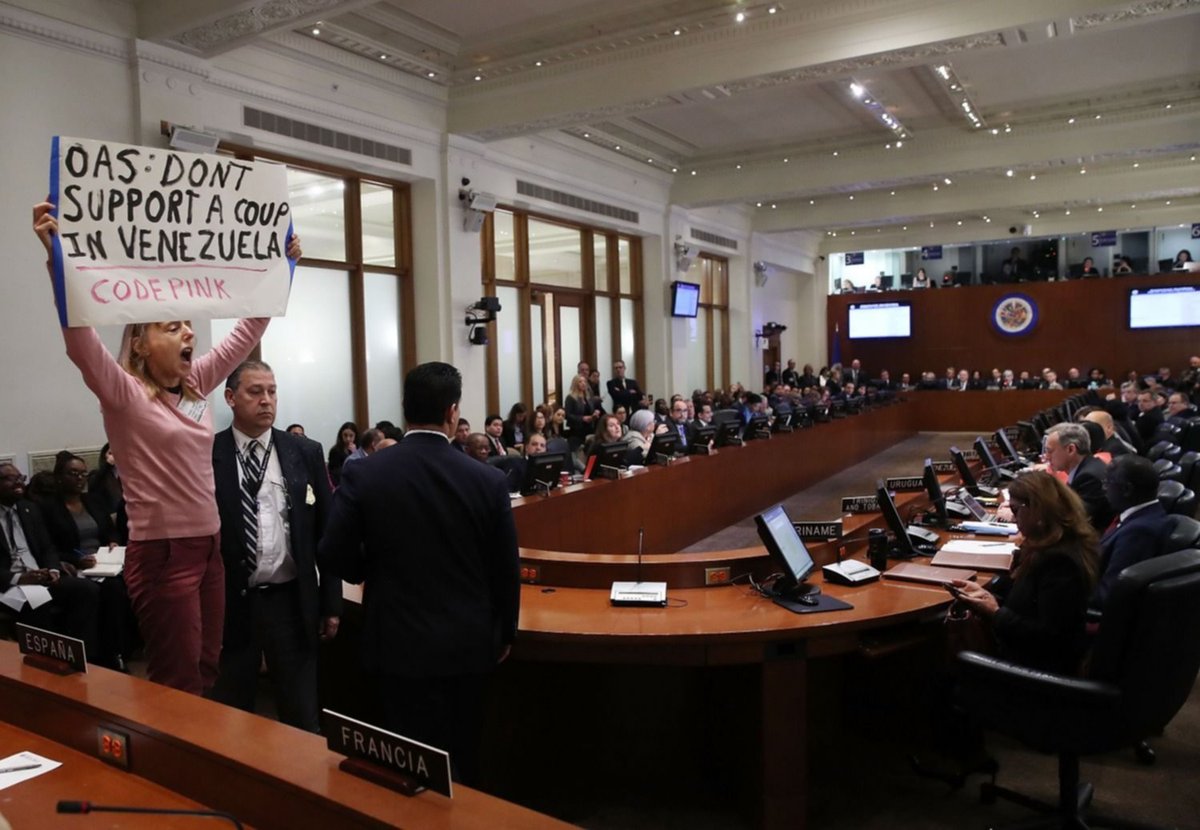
point(644, 677)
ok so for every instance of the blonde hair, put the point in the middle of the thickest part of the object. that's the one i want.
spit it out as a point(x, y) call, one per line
point(135, 364)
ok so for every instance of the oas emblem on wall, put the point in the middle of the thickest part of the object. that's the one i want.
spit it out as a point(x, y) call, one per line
point(1014, 314)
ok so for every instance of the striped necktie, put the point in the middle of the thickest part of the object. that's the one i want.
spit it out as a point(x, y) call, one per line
point(251, 483)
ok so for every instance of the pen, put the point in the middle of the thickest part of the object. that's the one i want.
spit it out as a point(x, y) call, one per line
point(20, 768)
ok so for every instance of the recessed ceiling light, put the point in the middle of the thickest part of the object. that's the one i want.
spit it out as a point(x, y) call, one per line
point(739, 17)
point(316, 31)
point(1083, 171)
point(960, 222)
point(1097, 117)
point(537, 63)
point(649, 161)
point(693, 172)
point(1167, 107)
point(677, 32)
point(674, 169)
point(1168, 201)
point(1133, 207)
point(899, 143)
point(856, 90)
point(738, 167)
point(1008, 173)
point(758, 204)
point(1068, 213)
point(948, 181)
point(772, 206)
point(772, 9)
point(1070, 120)
point(893, 193)
point(812, 201)
point(1032, 176)
point(383, 57)
point(785, 161)
point(931, 224)
point(617, 147)
point(835, 152)
point(852, 233)
point(1007, 128)
point(479, 77)
point(430, 74)
point(1100, 210)
point(851, 198)
point(587, 135)
point(935, 187)
point(904, 228)
point(995, 131)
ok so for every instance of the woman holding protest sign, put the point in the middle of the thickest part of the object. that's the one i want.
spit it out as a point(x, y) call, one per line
point(152, 398)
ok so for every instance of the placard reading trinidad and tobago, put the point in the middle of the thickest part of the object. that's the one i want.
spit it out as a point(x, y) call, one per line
point(147, 233)
point(900, 484)
point(819, 530)
point(860, 504)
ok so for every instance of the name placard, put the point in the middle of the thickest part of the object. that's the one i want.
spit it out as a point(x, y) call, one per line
point(900, 484)
point(970, 455)
point(51, 651)
point(427, 765)
point(943, 467)
point(860, 504)
point(819, 530)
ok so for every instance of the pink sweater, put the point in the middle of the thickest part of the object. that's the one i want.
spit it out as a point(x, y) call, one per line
point(164, 456)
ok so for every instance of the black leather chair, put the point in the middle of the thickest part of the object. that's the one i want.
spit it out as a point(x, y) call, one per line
point(513, 467)
point(1172, 432)
point(1191, 435)
point(1175, 498)
point(1168, 470)
point(1181, 533)
point(1143, 667)
point(1189, 465)
point(1164, 449)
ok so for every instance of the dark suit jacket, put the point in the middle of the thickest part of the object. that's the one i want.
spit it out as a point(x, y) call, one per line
point(302, 466)
point(36, 538)
point(1139, 537)
point(431, 533)
point(1114, 446)
point(1088, 484)
point(1147, 424)
point(1040, 623)
point(64, 533)
point(630, 396)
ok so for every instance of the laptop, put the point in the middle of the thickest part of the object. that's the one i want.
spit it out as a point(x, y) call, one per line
point(985, 520)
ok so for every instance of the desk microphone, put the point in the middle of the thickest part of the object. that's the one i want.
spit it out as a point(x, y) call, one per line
point(84, 807)
point(641, 539)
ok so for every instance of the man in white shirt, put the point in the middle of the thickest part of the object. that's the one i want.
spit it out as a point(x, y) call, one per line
point(280, 600)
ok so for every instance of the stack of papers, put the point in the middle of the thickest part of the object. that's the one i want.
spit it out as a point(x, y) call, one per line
point(966, 553)
point(109, 562)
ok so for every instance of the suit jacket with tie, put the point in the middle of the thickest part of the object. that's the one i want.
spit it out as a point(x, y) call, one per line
point(303, 469)
point(37, 539)
point(625, 392)
point(430, 531)
point(1139, 537)
point(1088, 484)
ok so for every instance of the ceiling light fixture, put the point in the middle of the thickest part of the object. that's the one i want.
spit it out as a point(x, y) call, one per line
point(1008, 173)
point(677, 32)
point(479, 77)
point(316, 31)
point(740, 17)
point(878, 109)
point(383, 57)
point(537, 63)
point(772, 9)
point(957, 91)
point(430, 75)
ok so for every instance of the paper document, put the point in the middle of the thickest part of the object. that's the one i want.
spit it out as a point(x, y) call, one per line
point(21, 767)
point(109, 562)
point(16, 596)
point(974, 546)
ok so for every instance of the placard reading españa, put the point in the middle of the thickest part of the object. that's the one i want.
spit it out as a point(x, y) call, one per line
point(148, 234)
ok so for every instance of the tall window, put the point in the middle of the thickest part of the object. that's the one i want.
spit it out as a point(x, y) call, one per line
point(708, 333)
point(341, 351)
point(568, 293)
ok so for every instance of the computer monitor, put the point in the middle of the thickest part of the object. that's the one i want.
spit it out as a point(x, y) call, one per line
point(1029, 434)
point(985, 456)
point(729, 433)
point(962, 277)
point(933, 489)
point(758, 424)
point(1165, 265)
point(542, 471)
point(964, 471)
point(1006, 444)
point(786, 547)
point(906, 280)
point(887, 282)
point(904, 545)
point(701, 436)
point(612, 455)
point(665, 444)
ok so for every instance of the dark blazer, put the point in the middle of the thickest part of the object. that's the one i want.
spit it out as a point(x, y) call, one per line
point(1139, 537)
point(1040, 623)
point(1114, 446)
point(625, 392)
point(1147, 423)
point(302, 466)
point(431, 533)
point(1088, 484)
point(36, 537)
point(64, 533)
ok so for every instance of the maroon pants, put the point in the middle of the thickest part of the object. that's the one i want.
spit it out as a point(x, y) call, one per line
point(177, 588)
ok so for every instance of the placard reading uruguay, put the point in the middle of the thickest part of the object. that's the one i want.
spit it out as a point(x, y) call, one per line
point(147, 233)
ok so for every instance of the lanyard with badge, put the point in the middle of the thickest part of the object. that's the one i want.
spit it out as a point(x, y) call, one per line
point(262, 468)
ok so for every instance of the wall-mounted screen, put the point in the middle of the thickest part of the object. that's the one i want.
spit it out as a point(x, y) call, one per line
point(875, 320)
point(685, 299)
point(1164, 308)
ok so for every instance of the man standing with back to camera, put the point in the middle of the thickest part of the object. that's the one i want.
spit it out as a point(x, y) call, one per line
point(430, 531)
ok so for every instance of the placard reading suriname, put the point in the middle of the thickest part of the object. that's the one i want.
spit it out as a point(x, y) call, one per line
point(147, 234)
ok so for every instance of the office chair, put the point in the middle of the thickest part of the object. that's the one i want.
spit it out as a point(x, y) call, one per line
point(513, 467)
point(1144, 664)
point(1189, 474)
point(1168, 470)
point(1164, 449)
point(1167, 432)
point(558, 444)
point(1169, 494)
point(1191, 435)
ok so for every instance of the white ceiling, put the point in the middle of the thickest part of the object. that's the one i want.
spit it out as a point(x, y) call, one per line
point(720, 94)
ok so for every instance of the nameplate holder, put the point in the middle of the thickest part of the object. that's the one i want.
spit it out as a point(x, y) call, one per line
point(385, 758)
point(610, 472)
point(762, 433)
point(970, 455)
point(902, 484)
point(819, 530)
point(860, 504)
point(700, 449)
point(663, 460)
point(51, 651)
point(944, 467)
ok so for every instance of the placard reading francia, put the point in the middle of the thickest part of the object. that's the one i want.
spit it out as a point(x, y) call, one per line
point(147, 233)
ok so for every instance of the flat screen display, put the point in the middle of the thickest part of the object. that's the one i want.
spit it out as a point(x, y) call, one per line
point(879, 320)
point(779, 536)
point(1163, 308)
point(685, 299)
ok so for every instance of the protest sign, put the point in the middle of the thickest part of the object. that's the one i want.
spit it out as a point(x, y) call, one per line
point(148, 234)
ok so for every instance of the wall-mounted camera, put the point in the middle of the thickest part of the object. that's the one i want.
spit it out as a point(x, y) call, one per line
point(479, 314)
point(476, 206)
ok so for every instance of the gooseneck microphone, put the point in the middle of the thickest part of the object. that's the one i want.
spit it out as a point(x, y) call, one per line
point(84, 807)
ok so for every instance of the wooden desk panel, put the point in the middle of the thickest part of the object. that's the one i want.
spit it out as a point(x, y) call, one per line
point(981, 412)
point(267, 774)
point(694, 498)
